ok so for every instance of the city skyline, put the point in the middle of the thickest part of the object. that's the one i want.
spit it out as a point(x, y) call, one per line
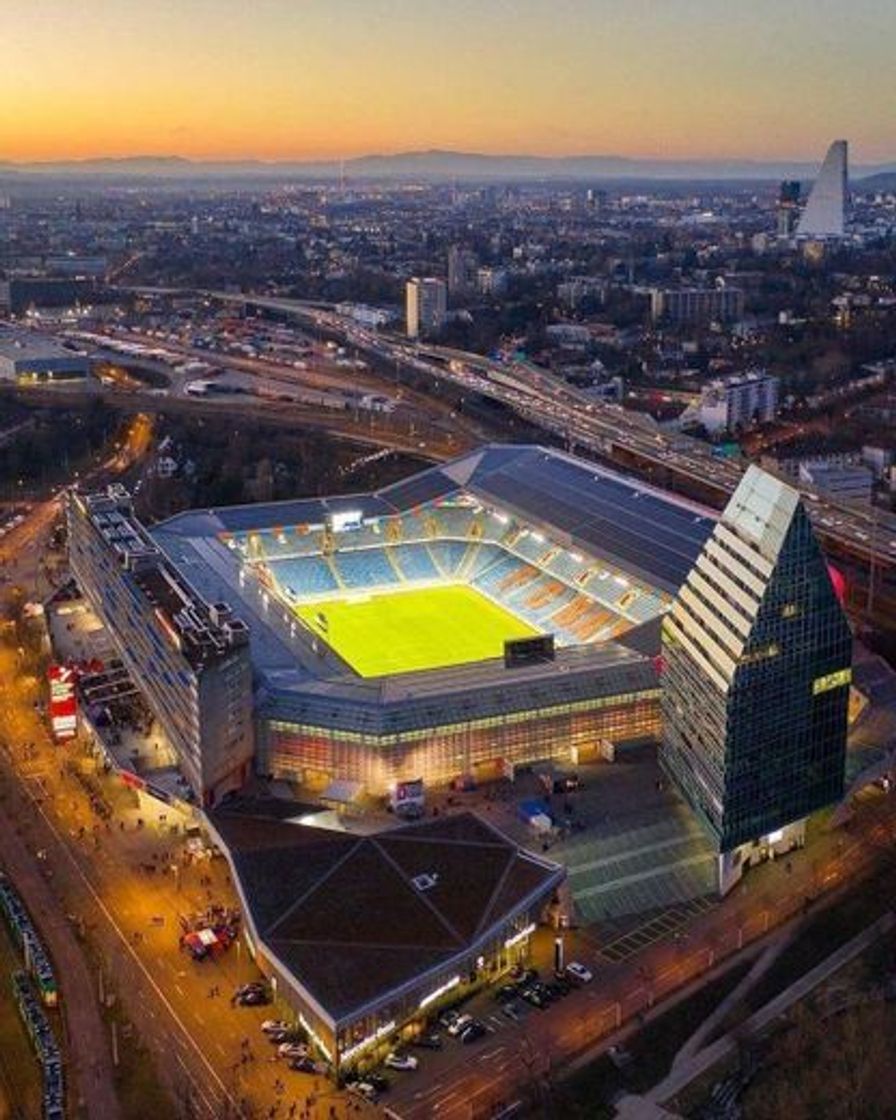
point(215, 81)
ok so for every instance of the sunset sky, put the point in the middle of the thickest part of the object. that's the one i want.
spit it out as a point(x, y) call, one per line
point(307, 78)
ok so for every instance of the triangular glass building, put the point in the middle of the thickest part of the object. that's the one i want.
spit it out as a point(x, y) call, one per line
point(757, 654)
point(825, 213)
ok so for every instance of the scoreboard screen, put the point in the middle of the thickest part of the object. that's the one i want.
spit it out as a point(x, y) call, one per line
point(528, 651)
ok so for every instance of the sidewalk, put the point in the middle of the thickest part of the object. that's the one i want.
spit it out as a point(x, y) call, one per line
point(695, 1064)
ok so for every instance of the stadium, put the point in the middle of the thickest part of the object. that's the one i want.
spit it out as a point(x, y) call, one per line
point(499, 610)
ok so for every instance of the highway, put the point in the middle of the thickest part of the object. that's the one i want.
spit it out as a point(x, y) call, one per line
point(609, 432)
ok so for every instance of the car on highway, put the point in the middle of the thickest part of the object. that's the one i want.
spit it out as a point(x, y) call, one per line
point(579, 973)
point(401, 1061)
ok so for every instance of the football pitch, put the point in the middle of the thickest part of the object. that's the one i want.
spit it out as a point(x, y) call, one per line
point(403, 631)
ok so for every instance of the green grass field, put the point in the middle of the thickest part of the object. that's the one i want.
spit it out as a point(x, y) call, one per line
point(400, 631)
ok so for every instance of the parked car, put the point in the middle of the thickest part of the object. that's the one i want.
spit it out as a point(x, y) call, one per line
point(534, 997)
point(473, 1032)
point(292, 1050)
point(619, 1056)
point(362, 1089)
point(429, 1041)
point(459, 1025)
point(273, 1026)
point(380, 1083)
point(448, 1017)
point(401, 1061)
point(579, 973)
point(506, 993)
point(304, 1064)
point(253, 998)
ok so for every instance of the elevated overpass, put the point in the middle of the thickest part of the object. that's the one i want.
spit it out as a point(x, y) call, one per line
point(630, 440)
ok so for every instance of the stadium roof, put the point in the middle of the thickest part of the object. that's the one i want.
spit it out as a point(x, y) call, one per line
point(655, 535)
point(645, 532)
point(343, 912)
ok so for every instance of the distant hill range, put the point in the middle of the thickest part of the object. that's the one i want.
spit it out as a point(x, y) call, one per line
point(440, 165)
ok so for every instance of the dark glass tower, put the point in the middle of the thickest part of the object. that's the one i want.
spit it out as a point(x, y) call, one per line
point(756, 686)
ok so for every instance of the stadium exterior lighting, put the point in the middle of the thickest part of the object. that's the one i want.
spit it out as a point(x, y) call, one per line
point(576, 557)
point(315, 1037)
point(380, 1032)
point(521, 935)
point(440, 991)
point(538, 537)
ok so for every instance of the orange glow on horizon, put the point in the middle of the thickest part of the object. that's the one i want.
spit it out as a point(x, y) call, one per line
point(277, 80)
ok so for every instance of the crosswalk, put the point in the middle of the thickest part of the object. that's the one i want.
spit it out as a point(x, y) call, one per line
point(656, 929)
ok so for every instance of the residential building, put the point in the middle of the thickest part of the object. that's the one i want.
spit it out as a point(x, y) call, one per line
point(190, 658)
point(462, 267)
point(426, 306)
point(492, 281)
point(691, 306)
point(788, 207)
point(735, 403)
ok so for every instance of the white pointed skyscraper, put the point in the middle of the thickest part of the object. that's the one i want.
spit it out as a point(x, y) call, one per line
point(825, 213)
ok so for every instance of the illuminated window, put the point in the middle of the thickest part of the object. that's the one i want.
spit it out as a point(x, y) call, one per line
point(831, 681)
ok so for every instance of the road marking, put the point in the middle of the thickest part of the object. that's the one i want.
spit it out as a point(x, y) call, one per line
point(179, 991)
point(489, 1054)
point(443, 1101)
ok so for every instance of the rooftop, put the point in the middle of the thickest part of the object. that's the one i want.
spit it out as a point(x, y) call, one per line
point(356, 918)
point(21, 345)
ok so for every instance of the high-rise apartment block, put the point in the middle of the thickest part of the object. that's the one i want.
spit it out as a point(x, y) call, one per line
point(426, 302)
point(693, 306)
point(735, 403)
point(462, 266)
point(190, 658)
point(757, 666)
point(788, 207)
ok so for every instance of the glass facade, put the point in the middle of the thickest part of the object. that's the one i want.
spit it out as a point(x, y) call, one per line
point(482, 747)
point(757, 655)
